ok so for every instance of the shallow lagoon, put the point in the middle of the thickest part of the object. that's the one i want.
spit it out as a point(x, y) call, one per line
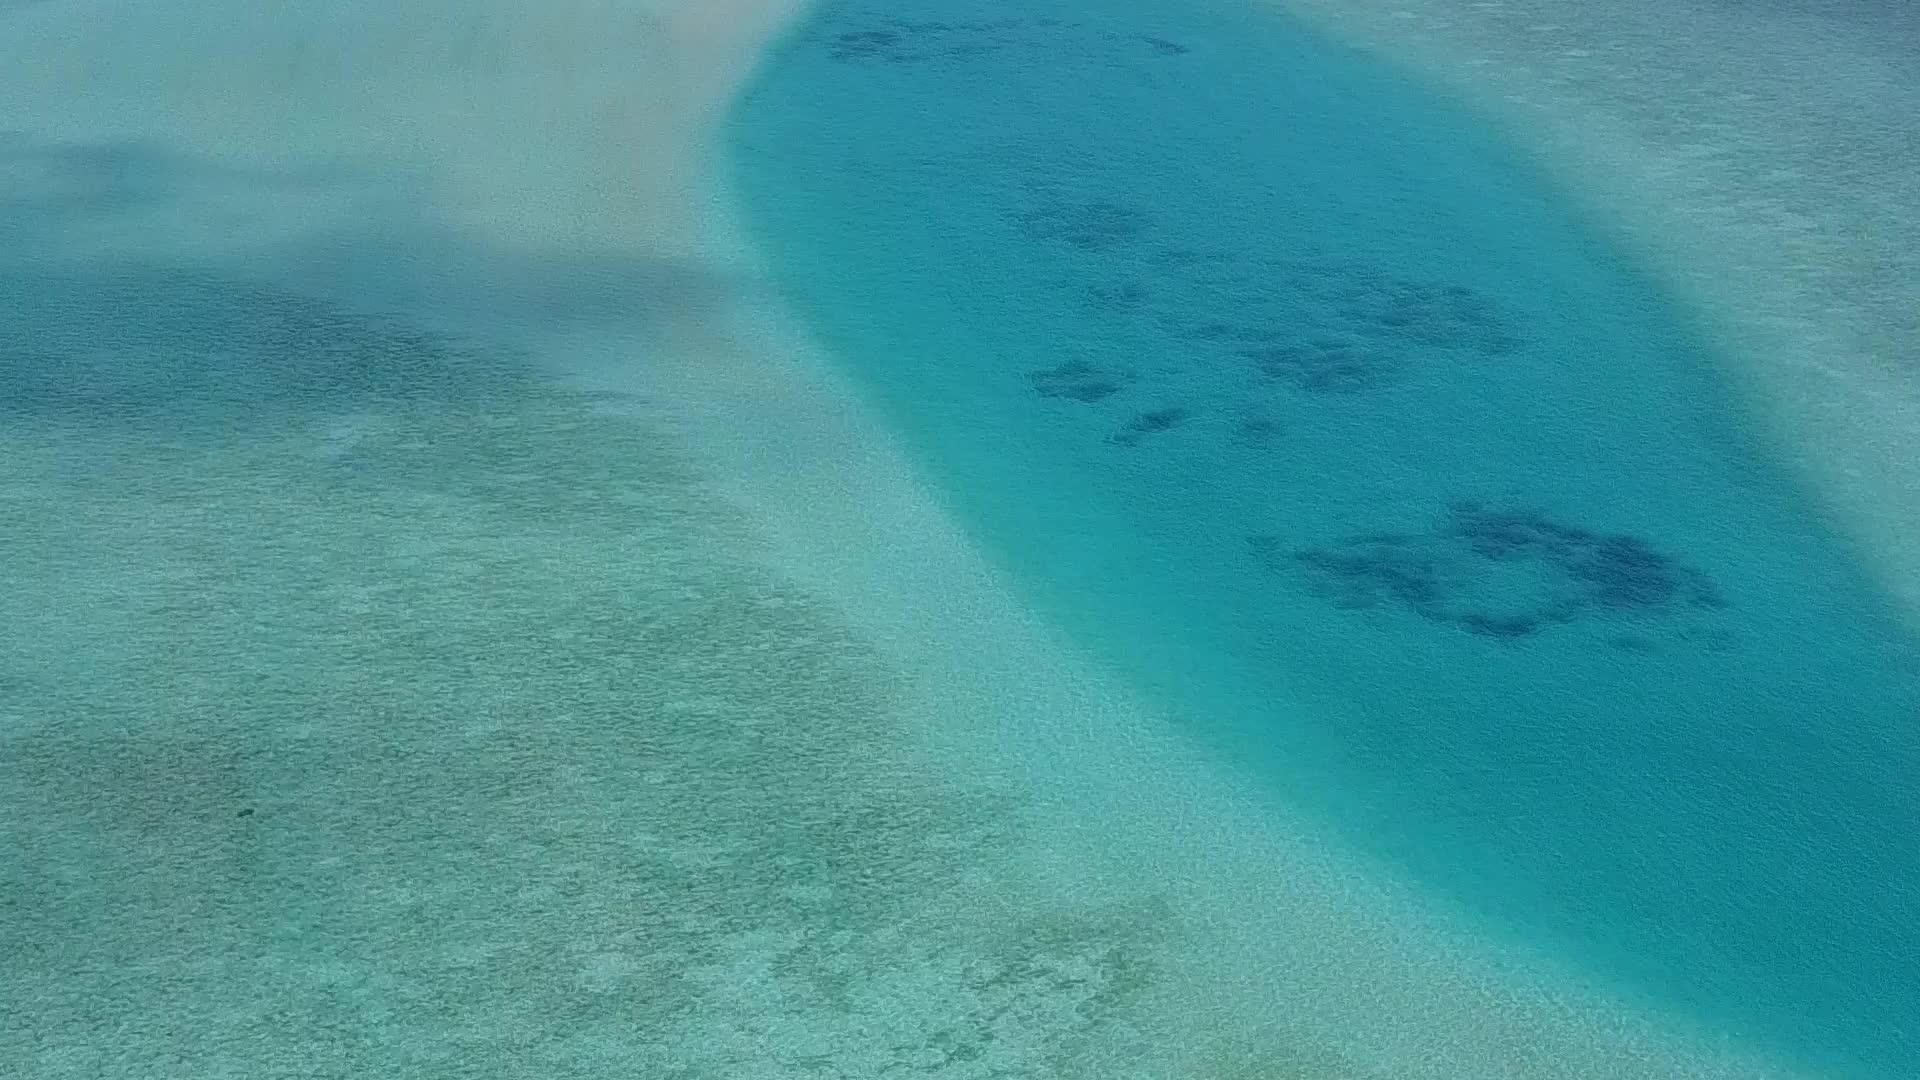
point(374, 700)
point(1272, 377)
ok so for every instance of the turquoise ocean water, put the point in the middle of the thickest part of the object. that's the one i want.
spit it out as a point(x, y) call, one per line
point(1271, 376)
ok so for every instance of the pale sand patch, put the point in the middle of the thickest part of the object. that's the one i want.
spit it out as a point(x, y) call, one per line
point(584, 125)
point(1761, 157)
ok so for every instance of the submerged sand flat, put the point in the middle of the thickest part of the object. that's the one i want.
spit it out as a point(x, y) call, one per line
point(470, 722)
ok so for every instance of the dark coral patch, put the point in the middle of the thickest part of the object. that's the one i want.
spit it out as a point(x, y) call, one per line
point(1088, 226)
point(877, 38)
point(1123, 296)
point(1191, 257)
point(1499, 626)
point(864, 44)
point(1211, 331)
point(1363, 571)
point(1620, 572)
point(1324, 366)
point(1259, 429)
point(1322, 327)
point(1150, 423)
point(1443, 316)
point(906, 41)
point(1513, 534)
point(1074, 379)
point(1503, 574)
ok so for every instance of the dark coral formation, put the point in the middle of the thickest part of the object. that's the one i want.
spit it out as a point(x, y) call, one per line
point(1447, 316)
point(1257, 428)
point(1120, 297)
point(1211, 331)
point(875, 37)
point(1505, 574)
point(1230, 313)
point(865, 45)
point(1323, 365)
point(1361, 571)
point(906, 41)
point(1075, 379)
point(1094, 225)
point(1315, 326)
point(1326, 328)
point(1613, 571)
point(1150, 423)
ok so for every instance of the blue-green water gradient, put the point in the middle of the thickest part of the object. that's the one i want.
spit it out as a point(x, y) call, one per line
point(1296, 393)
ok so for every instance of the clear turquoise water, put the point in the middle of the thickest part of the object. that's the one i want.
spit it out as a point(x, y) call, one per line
point(1262, 368)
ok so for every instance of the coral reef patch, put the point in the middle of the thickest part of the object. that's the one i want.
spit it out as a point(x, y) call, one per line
point(874, 37)
point(1502, 573)
point(1150, 423)
point(1094, 225)
point(1077, 380)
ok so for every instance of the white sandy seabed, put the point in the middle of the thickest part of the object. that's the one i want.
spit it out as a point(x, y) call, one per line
point(1151, 913)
